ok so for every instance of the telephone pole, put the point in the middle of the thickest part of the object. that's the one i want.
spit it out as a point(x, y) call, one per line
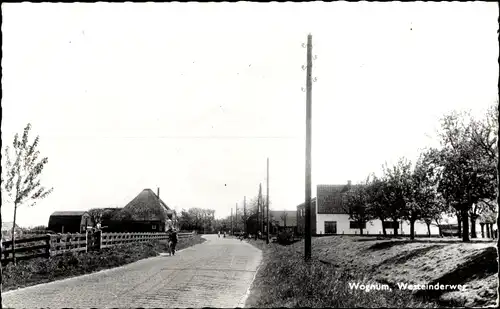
point(245, 214)
point(231, 220)
point(261, 205)
point(308, 233)
point(236, 216)
point(267, 203)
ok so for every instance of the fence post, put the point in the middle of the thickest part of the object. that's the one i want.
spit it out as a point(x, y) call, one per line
point(98, 235)
point(47, 249)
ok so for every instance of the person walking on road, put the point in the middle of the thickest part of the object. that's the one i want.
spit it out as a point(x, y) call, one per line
point(218, 234)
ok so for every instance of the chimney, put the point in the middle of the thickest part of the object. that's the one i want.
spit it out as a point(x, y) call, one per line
point(158, 194)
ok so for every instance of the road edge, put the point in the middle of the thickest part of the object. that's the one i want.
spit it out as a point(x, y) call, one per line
point(91, 274)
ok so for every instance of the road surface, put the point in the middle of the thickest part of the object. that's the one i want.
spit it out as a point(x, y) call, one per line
point(217, 273)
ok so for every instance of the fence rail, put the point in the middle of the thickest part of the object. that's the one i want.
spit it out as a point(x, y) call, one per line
point(57, 244)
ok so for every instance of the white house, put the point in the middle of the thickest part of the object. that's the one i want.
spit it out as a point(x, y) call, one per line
point(331, 218)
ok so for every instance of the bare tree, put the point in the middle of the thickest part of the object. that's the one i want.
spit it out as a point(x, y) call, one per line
point(22, 182)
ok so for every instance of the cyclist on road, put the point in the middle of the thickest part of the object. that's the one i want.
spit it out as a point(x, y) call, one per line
point(172, 240)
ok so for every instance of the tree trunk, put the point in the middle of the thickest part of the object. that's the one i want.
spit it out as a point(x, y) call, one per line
point(1, 254)
point(360, 229)
point(412, 228)
point(428, 228)
point(14, 236)
point(396, 227)
point(482, 229)
point(487, 230)
point(473, 226)
point(465, 223)
point(383, 227)
point(439, 228)
point(459, 222)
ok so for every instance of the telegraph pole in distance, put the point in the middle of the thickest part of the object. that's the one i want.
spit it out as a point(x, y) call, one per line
point(236, 219)
point(245, 214)
point(308, 236)
point(261, 205)
point(232, 221)
point(267, 203)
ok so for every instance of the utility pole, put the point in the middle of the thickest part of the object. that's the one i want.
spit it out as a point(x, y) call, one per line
point(245, 214)
point(308, 236)
point(267, 203)
point(261, 205)
point(236, 219)
point(231, 220)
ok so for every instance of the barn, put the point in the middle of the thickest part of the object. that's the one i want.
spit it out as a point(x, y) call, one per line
point(69, 221)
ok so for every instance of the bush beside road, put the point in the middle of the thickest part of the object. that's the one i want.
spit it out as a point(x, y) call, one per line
point(42, 270)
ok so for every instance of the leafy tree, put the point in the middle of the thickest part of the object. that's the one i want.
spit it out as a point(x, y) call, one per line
point(467, 175)
point(395, 190)
point(23, 168)
point(421, 198)
point(96, 215)
point(197, 219)
point(435, 212)
point(376, 200)
point(357, 201)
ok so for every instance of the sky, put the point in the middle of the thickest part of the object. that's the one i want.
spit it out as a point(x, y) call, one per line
point(193, 98)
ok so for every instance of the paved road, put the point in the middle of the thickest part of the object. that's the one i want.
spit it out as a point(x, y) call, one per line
point(217, 273)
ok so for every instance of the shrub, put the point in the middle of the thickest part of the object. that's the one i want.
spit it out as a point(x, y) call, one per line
point(285, 237)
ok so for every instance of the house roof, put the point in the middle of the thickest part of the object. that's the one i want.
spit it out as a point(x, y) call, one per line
point(330, 198)
point(68, 213)
point(148, 206)
point(278, 215)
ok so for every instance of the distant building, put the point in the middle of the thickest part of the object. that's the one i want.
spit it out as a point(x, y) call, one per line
point(332, 218)
point(148, 213)
point(282, 219)
point(301, 217)
point(7, 230)
point(69, 221)
point(278, 220)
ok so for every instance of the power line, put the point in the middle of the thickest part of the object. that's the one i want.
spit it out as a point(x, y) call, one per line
point(173, 137)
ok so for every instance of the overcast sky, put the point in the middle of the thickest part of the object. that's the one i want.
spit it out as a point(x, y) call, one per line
point(193, 98)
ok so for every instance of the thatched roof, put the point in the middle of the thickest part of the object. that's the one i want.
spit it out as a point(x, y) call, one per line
point(147, 206)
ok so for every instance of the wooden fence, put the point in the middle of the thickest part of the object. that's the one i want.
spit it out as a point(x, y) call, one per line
point(57, 244)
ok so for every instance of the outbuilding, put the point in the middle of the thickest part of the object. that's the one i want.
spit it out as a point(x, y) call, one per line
point(69, 221)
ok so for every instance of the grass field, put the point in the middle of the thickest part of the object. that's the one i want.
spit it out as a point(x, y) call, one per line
point(41, 270)
point(338, 261)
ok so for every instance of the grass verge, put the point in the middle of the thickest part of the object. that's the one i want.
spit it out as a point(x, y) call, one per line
point(285, 280)
point(42, 270)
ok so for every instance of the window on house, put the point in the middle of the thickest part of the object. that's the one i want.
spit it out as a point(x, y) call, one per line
point(391, 225)
point(356, 225)
point(153, 227)
point(330, 227)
